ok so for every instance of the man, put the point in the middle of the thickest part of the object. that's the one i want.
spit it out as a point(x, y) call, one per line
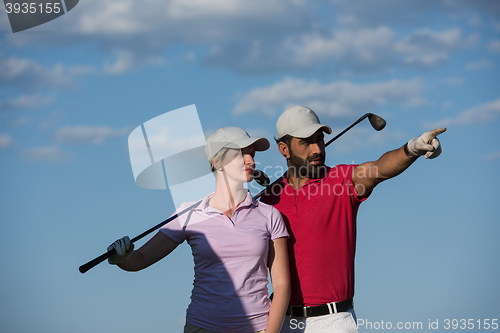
point(319, 205)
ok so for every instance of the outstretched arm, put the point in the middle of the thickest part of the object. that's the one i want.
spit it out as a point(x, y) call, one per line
point(158, 247)
point(280, 279)
point(368, 175)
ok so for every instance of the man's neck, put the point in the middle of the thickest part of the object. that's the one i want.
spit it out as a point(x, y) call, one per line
point(296, 182)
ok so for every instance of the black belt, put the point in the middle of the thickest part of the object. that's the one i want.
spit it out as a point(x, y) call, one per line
point(320, 310)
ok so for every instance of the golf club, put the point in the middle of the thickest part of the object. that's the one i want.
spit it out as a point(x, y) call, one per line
point(377, 122)
point(260, 177)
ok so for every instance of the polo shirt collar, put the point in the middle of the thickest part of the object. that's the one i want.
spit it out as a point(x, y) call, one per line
point(310, 181)
point(204, 207)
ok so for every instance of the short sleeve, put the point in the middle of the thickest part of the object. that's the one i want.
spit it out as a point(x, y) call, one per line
point(278, 227)
point(353, 194)
point(175, 229)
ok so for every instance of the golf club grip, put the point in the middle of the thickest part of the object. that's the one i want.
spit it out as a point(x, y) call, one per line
point(94, 262)
point(104, 256)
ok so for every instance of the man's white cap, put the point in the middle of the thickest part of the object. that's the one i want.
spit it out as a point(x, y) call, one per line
point(299, 122)
point(232, 137)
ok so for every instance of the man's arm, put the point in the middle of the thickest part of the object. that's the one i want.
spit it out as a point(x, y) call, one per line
point(368, 175)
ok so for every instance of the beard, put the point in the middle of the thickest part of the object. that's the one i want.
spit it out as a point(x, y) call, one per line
point(301, 168)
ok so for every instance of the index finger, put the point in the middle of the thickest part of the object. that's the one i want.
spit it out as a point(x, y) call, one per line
point(436, 132)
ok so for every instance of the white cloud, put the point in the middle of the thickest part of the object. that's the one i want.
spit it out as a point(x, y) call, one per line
point(494, 46)
point(21, 121)
point(5, 141)
point(429, 48)
point(338, 98)
point(475, 20)
point(130, 17)
point(454, 81)
point(126, 61)
point(259, 35)
point(373, 13)
point(112, 17)
point(369, 13)
point(480, 114)
point(25, 102)
point(28, 75)
point(481, 64)
point(78, 70)
point(426, 40)
point(46, 154)
point(358, 49)
point(135, 33)
point(487, 6)
point(426, 59)
point(30, 101)
point(49, 121)
point(262, 36)
point(492, 156)
point(199, 9)
point(89, 135)
point(363, 47)
point(447, 105)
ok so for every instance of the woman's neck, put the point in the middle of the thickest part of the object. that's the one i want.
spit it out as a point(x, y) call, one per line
point(228, 195)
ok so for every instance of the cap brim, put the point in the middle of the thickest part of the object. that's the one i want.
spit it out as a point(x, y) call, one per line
point(259, 144)
point(308, 130)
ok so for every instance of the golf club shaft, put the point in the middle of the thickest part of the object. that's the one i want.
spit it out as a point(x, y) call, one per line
point(348, 128)
point(85, 267)
point(326, 145)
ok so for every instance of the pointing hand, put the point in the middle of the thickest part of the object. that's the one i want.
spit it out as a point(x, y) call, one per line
point(427, 144)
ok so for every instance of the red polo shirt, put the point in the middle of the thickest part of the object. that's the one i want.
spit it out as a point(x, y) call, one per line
point(321, 219)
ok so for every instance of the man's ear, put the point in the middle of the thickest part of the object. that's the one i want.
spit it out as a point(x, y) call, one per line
point(284, 150)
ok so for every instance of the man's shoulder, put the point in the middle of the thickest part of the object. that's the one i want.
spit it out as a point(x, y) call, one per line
point(341, 171)
point(271, 195)
point(343, 166)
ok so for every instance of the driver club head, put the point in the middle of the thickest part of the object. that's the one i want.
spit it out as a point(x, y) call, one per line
point(378, 123)
point(261, 178)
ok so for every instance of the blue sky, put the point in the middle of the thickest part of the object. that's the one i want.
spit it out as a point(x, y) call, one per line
point(73, 89)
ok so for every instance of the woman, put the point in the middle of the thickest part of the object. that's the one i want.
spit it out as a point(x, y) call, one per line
point(234, 239)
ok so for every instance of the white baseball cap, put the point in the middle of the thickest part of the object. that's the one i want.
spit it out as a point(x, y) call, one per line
point(232, 137)
point(299, 122)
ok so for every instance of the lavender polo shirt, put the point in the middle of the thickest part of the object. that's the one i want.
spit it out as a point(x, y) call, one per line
point(230, 263)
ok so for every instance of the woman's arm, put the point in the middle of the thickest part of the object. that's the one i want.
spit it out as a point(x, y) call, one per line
point(158, 247)
point(280, 279)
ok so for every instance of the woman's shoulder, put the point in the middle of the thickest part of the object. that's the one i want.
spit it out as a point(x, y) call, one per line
point(267, 208)
point(199, 203)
